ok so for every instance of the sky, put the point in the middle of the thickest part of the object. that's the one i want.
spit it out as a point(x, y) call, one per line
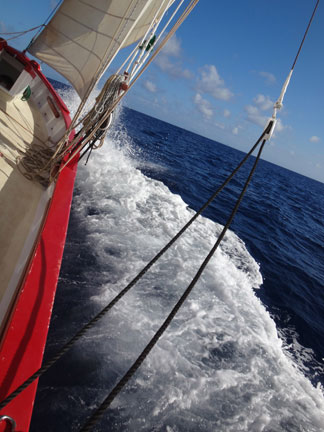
point(223, 70)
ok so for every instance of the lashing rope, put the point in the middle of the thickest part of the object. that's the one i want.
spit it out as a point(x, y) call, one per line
point(99, 412)
point(132, 370)
point(116, 299)
point(75, 151)
point(94, 129)
point(15, 35)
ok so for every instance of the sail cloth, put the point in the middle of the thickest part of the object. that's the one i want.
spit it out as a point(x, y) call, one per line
point(84, 36)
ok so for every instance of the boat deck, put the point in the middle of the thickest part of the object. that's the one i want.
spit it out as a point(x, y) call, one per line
point(22, 202)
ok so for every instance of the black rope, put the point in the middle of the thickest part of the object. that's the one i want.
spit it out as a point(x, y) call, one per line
point(88, 149)
point(305, 34)
point(97, 136)
point(91, 323)
point(132, 370)
point(115, 300)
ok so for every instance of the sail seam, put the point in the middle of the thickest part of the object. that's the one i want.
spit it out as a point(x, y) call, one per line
point(83, 25)
point(103, 11)
point(68, 61)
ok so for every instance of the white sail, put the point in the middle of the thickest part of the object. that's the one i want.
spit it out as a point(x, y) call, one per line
point(84, 36)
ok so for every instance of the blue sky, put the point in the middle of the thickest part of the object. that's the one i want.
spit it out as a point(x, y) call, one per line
point(221, 73)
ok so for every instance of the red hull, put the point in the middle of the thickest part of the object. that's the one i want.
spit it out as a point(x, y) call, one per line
point(23, 346)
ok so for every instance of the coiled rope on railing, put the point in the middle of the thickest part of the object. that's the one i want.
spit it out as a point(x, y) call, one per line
point(65, 149)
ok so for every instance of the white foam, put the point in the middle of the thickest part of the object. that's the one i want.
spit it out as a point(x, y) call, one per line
point(221, 365)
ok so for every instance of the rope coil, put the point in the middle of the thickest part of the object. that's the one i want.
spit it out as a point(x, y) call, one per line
point(73, 149)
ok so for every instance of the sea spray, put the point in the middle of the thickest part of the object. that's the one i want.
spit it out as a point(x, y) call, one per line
point(221, 365)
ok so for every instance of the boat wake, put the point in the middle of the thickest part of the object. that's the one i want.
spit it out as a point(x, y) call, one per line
point(221, 365)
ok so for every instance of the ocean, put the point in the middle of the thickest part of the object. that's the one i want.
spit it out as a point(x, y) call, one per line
point(245, 352)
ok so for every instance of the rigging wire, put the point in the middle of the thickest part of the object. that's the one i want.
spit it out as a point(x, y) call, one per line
point(74, 149)
point(305, 34)
point(116, 299)
point(278, 104)
point(43, 25)
point(17, 34)
point(99, 412)
point(132, 370)
point(95, 78)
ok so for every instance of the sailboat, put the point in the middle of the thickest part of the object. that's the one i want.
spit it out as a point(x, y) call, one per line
point(40, 147)
point(39, 153)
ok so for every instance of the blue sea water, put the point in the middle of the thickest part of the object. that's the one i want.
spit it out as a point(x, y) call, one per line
point(281, 219)
point(245, 352)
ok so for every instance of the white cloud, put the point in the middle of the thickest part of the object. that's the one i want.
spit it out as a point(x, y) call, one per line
point(314, 139)
point(172, 47)
point(219, 125)
point(236, 129)
point(279, 126)
point(254, 115)
point(269, 77)
point(7, 28)
point(151, 87)
point(211, 83)
point(172, 67)
point(257, 115)
point(227, 113)
point(3, 27)
point(263, 102)
point(203, 106)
